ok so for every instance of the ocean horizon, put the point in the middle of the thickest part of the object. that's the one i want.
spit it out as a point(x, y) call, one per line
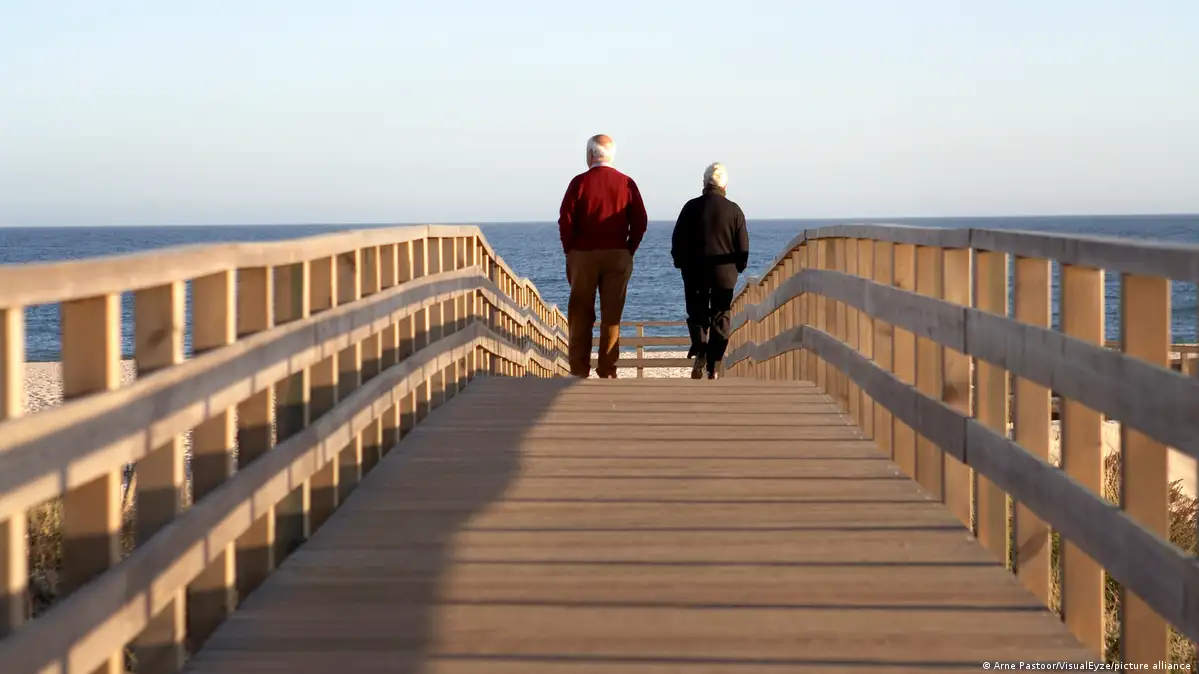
point(533, 250)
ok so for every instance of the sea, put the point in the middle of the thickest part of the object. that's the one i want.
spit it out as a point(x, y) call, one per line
point(532, 249)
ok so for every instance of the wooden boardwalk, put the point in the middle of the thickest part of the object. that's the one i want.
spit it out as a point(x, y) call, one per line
point(636, 526)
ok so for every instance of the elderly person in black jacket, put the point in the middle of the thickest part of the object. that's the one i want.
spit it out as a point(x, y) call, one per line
point(711, 247)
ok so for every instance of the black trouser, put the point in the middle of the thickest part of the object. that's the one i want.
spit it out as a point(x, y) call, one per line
point(709, 294)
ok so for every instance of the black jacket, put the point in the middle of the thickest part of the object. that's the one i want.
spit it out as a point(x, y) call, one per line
point(710, 231)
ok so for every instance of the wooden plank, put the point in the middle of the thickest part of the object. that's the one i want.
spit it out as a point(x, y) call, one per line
point(92, 516)
point(661, 578)
point(1145, 332)
point(293, 397)
point(851, 329)
point(884, 261)
point(213, 595)
point(324, 391)
point(14, 552)
point(904, 354)
point(255, 429)
point(991, 292)
point(1031, 419)
point(1082, 458)
point(866, 333)
point(929, 378)
point(159, 323)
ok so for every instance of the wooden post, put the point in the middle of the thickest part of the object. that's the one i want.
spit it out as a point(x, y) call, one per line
point(822, 316)
point(905, 360)
point(1032, 420)
point(884, 272)
point(930, 460)
point(1145, 333)
point(349, 289)
point(1082, 458)
point(212, 596)
point(991, 288)
point(390, 277)
point(866, 333)
point(849, 265)
point(958, 287)
point(640, 350)
point(293, 302)
point(158, 344)
point(255, 430)
point(92, 517)
point(406, 271)
point(14, 553)
point(840, 327)
point(325, 382)
point(420, 267)
point(369, 285)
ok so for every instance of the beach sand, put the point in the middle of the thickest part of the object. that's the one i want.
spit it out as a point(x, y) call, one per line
point(652, 372)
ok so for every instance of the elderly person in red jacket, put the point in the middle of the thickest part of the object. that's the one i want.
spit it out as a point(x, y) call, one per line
point(601, 224)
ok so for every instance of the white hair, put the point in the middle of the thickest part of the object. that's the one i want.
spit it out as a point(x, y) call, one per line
point(716, 176)
point(600, 152)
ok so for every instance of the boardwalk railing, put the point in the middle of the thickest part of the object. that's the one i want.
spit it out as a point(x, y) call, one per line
point(311, 359)
point(909, 330)
point(639, 341)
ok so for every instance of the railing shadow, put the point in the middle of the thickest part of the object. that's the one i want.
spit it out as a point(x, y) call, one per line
point(367, 586)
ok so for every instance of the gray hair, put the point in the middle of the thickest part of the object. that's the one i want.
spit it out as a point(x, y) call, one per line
point(716, 176)
point(600, 149)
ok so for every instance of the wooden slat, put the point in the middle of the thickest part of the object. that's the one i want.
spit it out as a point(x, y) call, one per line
point(1082, 458)
point(1145, 331)
point(867, 333)
point(929, 378)
point(255, 429)
point(991, 291)
point(1031, 418)
point(506, 556)
point(14, 553)
point(158, 315)
point(293, 396)
point(904, 354)
point(851, 330)
point(884, 272)
point(91, 524)
point(213, 595)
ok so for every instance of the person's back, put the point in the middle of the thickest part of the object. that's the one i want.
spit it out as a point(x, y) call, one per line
point(711, 233)
point(710, 245)
point(603, 211)
point(601, 223)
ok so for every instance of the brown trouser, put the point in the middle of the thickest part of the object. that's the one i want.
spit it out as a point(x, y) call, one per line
point(607, 271)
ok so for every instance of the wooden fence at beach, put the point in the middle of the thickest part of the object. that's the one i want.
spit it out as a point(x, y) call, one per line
point(312, 358)
point(909, 330)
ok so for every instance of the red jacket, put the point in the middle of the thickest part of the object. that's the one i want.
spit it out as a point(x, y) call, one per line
point(602, 210)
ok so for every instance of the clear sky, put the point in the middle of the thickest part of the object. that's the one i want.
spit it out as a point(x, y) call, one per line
point(276, 111)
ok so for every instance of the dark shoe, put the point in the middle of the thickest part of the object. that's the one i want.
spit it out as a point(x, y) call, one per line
point(697, 370)
point(712, 374)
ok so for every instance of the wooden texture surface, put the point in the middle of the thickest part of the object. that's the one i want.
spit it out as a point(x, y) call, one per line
point(636, 526)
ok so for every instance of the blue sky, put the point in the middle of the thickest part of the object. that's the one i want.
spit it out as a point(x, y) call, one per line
point(272, 111)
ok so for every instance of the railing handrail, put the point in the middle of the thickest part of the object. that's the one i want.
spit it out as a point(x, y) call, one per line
point(31, 283)
point(1147, 257)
